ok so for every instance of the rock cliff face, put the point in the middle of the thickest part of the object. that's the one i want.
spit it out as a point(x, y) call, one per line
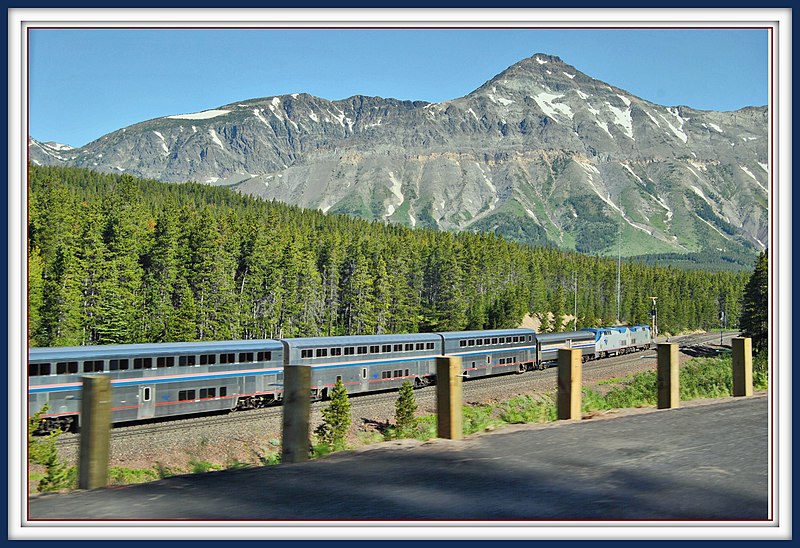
point(540, 153)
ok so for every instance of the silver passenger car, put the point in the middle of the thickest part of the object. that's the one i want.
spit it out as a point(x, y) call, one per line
point(156, 380)
point(365, 363)
point(492, 352)
point(549, 343)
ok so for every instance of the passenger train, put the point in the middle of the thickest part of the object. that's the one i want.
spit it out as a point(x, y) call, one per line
point(173, 379)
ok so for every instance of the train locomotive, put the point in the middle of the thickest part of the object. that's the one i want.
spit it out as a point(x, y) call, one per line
point(179, 379)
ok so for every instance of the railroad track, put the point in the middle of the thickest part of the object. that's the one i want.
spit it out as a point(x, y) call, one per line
point(474, 390)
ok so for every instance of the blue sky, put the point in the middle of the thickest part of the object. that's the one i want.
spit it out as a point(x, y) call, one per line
point(84, 83)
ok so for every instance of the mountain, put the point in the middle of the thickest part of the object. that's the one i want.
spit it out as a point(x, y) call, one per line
point(540, 153)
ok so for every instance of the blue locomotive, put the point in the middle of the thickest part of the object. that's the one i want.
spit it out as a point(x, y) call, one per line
point(176, 379)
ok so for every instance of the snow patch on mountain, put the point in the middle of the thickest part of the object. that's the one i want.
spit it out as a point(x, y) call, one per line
point(623, 119)
point(205, 115)
point(750, 173)
point(546, 102)
point(215, 138)
point(163, 142)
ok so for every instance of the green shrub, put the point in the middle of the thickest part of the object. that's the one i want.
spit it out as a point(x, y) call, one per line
point(337, 419)
point(405, 410)
point(126, 476)
point(43, 451)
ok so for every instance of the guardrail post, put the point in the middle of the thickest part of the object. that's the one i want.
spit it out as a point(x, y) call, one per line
point(668, 376)
point(449, 398)
point(742, 366)
point(95, 429)
point(569, 383)
point(296, 413)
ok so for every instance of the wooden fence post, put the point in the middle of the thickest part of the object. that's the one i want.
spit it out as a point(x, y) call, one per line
point(296, 413)
point(569, 383)
point(449, 399)
point(95, 432)
point(742, 366)
point(668, 376)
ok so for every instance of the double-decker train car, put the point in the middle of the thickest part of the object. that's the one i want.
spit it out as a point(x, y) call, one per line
point(156, 380)
point(365, 363)
point(492, 352)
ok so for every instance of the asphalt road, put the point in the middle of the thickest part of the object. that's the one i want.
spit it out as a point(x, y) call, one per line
point(707, 460)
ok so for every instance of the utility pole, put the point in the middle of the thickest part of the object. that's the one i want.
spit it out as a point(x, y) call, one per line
point(619, 266)
point(654, 315)
point(575, 286)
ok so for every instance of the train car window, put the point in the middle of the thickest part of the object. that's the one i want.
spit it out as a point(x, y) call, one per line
point(420, 346)
point(307, 353)
point(91, 366)
point(187, 360)
point(488, 359)
point(362, 349)
point(186, 395)
point(479, 342)
point(407, 373)
point(462, 343)
point(66, 367)
point(322, 352)
point(227, 358)
point(38, 369)
point(208, 359)
point(471, 342)
point(502, 340)
point(374, 349)
point(386, 348)
point(165, 361)
point(386, 374)
point(142, 363)
point(245, 357)
point(349, 350)
point(516, 339)
point(429, 346)
point(409, 347)
point(530, 338)
point(336, 351)
point(146, 394)
point(364, 373)
point(207, 393)
point(223, 391)
point(398, 373)
point(264, 356)
point(398, 348)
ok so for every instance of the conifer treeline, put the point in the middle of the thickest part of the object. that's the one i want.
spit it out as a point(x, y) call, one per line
point(114, 259)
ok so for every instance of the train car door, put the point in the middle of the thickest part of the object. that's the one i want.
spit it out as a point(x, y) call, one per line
point(147, 402)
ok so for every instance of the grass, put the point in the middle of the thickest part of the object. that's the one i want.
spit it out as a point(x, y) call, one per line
point(699, 378)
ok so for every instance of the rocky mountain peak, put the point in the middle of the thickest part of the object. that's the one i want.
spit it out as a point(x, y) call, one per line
point(540, 153)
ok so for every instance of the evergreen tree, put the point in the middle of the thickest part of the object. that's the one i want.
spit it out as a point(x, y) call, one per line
point(405, 409)
point(337, 418)
point(35, 290)
point(60, 314)
point(754, 321)
point(357, 294)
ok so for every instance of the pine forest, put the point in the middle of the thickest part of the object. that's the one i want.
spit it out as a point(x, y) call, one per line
point(113, 259)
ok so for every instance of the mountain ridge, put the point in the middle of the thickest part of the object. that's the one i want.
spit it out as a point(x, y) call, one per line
point(541, 153)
